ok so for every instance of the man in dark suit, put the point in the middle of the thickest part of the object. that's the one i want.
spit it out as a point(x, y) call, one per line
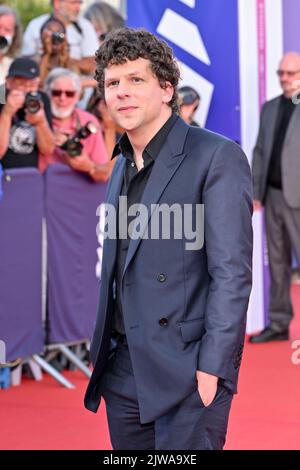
point(170, 329)
point(276, 169)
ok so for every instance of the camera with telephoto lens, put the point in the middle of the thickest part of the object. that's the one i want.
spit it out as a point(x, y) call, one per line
point(73, 146)
point(3, 42)
point(57, 38)
point(33, 102)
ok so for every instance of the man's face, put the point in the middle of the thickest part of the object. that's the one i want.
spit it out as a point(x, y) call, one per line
point(135, 98)
point(68, 9)
point(22, 84)
point(289, 74)
point(53, 27)
point(64, 97)
point(7, 25)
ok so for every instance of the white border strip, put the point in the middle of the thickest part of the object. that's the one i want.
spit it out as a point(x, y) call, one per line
point(274, 29)
point(248, 74)
point(248, 44)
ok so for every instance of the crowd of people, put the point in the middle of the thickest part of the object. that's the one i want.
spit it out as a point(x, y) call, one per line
point(51, 109)
point(53, 64)
point(48, 92)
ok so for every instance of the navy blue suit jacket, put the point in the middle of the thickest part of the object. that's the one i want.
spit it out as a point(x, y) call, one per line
point(205, 293)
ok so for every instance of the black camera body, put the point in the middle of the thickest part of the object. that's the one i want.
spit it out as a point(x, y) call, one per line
point(73, 146)
point(33, 102)
point(57, 38)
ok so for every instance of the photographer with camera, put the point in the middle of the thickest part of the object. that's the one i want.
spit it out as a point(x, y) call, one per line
point(189, 102)
point(80, 33)
point(10, 39)
point(78, 137)
point(25, 118)
point(55, 47)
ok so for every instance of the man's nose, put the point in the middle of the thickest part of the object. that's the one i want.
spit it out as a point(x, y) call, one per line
point(123, 90)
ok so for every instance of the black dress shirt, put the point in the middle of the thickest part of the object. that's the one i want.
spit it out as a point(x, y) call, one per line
point(286, 109)
point(133, 186)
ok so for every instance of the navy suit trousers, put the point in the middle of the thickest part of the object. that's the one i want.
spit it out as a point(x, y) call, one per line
point(188, 426)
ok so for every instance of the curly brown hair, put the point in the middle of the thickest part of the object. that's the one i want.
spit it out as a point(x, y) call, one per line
point(131, 44)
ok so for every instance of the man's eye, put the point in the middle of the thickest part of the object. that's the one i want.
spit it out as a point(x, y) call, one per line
point(112, 84)
point(137, 79)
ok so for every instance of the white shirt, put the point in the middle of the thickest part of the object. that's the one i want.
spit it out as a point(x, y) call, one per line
point(81, 45)
point(4, 66)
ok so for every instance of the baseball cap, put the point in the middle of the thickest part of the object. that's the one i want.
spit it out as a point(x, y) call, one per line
point(24, 67)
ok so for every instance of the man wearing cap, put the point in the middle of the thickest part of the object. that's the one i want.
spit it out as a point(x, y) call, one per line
point(24, 134)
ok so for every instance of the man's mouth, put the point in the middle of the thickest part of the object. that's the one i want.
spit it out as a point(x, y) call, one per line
point(126, 108)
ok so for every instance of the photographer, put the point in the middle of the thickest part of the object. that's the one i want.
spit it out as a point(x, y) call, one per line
point(55, 47)
point(81, 36)
point(25, 118)
point(84, 153)
point(189, 102)
point(10, 39)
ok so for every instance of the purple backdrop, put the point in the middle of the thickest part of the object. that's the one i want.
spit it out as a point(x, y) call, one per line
point(291, 15)
point(71, 203)
point(21, 211)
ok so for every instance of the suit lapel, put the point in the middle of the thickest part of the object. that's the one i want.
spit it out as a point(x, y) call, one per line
point(293, 124)
point(272, 119)
point(166, 164)
point(110, 244)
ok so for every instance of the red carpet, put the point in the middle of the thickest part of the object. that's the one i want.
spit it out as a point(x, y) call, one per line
point(265, 413)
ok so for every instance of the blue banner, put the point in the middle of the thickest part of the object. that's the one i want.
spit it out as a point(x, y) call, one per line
point(204, 36)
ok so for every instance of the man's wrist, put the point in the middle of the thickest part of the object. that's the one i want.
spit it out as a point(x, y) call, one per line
point(41, 122)
point(92, 169)
point(7, 112)
point(207, 376)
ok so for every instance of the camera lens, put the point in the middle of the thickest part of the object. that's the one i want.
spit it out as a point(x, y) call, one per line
point(3, 42)
point(32, 102)
point(88, 129)
point(74, 148)
point(58, 38)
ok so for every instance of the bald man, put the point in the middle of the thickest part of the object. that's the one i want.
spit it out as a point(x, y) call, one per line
point(276, 182)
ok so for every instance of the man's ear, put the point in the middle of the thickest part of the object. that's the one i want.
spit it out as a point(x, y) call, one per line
point(168, 92)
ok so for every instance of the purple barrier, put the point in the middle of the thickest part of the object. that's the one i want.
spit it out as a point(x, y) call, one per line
point(21, 212)
point(73, 289)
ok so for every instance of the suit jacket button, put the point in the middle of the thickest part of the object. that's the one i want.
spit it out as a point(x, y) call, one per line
point(161, 277)
point(163, 322)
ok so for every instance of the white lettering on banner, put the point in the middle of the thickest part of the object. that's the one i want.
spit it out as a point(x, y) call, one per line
point(189, 3)
point(203, 86)
point(185, 34)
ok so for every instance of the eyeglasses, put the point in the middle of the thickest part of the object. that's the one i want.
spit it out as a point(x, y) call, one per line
point(289, 73)
point(68, 93)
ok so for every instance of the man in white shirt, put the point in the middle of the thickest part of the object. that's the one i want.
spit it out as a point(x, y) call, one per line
point(81, 35)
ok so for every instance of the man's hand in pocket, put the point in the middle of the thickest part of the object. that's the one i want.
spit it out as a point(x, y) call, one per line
point(207, 387)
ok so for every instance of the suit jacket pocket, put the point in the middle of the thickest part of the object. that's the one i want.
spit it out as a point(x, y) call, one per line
point(192, 330)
